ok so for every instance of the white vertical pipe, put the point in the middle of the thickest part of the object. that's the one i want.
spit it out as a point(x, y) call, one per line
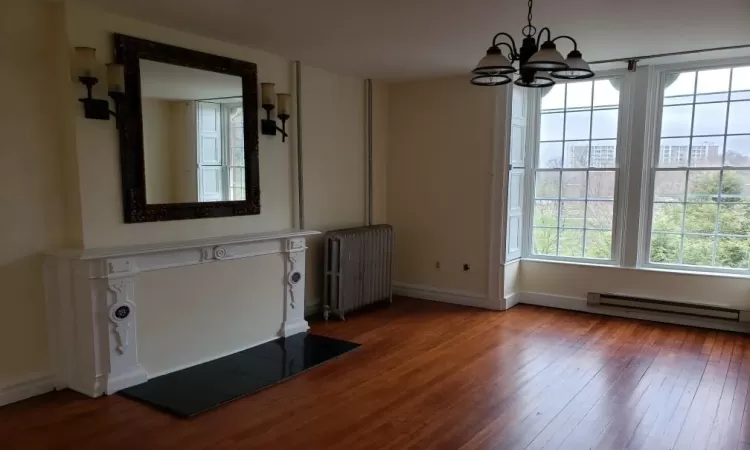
point(298, 135)
point(368, 146)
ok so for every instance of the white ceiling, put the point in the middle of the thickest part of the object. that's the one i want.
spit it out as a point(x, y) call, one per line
point(169, 82)
point(402, 39)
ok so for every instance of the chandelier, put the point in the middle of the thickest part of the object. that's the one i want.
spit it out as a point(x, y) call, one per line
point(536, 65)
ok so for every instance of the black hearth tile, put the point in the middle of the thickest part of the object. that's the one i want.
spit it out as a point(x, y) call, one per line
point(199, 388)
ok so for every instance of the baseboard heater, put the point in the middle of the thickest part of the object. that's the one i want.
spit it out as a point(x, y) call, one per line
point(668, 307)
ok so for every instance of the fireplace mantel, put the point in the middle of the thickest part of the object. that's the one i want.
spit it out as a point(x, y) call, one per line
point(92, 309)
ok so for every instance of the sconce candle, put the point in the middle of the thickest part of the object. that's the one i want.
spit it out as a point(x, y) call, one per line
point(116, 77)
point(267, 95)
point(84, 61)
point(284, 102)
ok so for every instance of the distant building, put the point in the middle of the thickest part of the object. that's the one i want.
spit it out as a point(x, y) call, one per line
point(669, 155)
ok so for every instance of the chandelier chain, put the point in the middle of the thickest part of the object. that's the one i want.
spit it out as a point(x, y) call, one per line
point(529, 16)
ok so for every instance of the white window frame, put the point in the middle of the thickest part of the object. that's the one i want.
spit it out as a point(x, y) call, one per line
point(651, 153)
point(621, 184)
point(226, 157)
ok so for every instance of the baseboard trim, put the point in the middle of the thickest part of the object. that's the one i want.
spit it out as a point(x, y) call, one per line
point(36, 385)
point(445, 296)
point(512, 300)
point(580, 304)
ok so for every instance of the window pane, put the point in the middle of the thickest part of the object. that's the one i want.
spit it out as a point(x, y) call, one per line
point(679, 84)
point(738, 151)
point(741, 79)
point(598, 244)
point(550, 155)
point(574, 185)
point(545, 241)
point(678, 100)
point(700, 218)
point(734, 218)
point(673, 152)
point(548, 184)
point(599, 215)
point(697, 250)
point(710, 119)
point(579, 95)
point(576, 154)
point(707, 151)
point(551, 127)
point(555, 98)
point(545, 213)
point(733, 252)
point(739, 118)
point(705, 98)
point(571, 243)
point(676, 121)
point(669, 186)
point(716, 80)
point(741, 95)
point(577, 125)
point(571, 214)
point(604, 124)
point(735, 186)
point(601, 185)
point(665, 248)
point(703, 186)
point(605, 93)
point(667, 217)
point(603, 153)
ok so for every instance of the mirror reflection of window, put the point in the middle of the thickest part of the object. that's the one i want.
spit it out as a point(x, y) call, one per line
point(193, 134)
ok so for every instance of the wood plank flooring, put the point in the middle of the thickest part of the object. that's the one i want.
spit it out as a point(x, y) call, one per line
point(438, 376)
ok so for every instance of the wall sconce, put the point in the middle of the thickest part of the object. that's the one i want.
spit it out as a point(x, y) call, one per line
point(268, 101)
point(85, 67)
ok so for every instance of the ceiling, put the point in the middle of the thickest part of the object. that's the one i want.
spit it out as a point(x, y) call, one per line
point(170, 82)
point(406, 39)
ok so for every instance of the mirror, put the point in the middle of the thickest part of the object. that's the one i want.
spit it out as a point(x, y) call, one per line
point(193, 137)
point(188, 133)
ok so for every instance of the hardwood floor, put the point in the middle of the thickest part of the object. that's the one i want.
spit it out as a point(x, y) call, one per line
point(433, 375)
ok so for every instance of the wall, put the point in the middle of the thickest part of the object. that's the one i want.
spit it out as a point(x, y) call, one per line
point(157, 149)
point(333, 148)
point(440, 139)
point(32, 186)
point(379, 152)
point(54, 162)
point(576, 280)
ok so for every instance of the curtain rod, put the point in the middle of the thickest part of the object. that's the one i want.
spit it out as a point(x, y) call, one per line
point(688, 52)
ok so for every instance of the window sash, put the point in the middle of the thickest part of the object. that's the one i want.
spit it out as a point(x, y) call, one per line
point(533, 169)
point(651, 160)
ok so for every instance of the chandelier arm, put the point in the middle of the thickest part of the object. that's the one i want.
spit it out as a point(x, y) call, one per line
point(575, 44)
point(511, 50)
point(511, 46)
point(549, 35)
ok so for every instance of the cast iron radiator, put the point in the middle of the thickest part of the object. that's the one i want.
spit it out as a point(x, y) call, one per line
point(358, 268)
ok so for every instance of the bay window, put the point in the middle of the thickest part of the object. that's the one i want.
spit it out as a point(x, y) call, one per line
point(691, 173)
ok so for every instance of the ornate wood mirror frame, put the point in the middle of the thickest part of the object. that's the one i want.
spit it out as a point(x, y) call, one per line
point(128, 52)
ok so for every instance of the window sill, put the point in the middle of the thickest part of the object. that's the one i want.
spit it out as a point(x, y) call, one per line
point(650, 268)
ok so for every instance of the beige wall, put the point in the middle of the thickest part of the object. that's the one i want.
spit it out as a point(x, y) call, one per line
point(56, 161)
point(576, 280)
point(196, 313)
point(31, 182)
point(440, 136)
point(157, 149)
point(333, 148)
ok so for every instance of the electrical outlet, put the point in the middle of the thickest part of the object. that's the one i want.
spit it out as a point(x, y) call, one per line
point(467, 267)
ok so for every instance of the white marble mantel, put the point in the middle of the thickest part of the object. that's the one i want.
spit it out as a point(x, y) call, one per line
point(92, 309)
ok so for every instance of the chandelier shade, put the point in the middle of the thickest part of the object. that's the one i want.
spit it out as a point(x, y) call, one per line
point(494, 63)
point(577, 68)
point(547, 58)
point(490, 80)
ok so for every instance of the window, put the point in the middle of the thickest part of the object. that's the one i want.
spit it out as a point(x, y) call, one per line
point(575, 171)
point(221, 151)
point(700, 202)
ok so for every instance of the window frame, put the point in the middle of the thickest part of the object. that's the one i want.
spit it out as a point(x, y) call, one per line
point(654, 113)
point(622, 170)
